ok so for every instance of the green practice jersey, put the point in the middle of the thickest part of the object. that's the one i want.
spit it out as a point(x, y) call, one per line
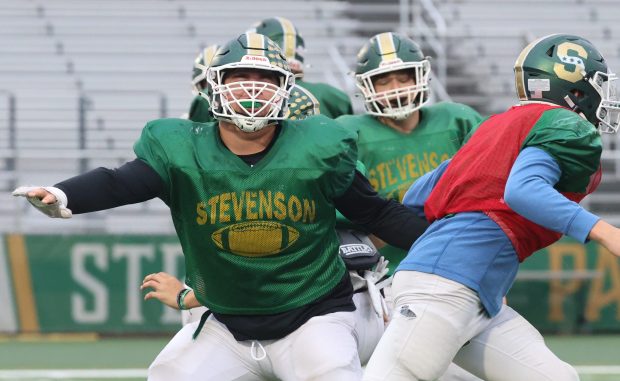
point(573, 142)
point(257, 239)
point(199, 111)
point(394, 160)
point(333, 102)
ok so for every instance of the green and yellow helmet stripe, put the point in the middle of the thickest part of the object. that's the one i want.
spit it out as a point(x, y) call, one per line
point(387, 49)
point(208, 53)
point(289, 37)
point(256, 44)
point(519, 74)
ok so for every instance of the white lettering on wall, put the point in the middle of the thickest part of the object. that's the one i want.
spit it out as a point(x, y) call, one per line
point(99, 293)
point(134, 255)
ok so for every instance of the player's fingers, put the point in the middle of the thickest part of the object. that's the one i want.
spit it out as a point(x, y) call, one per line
point(161, 276)
point(48, 199)
point(151, 295)
point(24, 190)
point(150, 277)
point(38, 193)
point(149, 284)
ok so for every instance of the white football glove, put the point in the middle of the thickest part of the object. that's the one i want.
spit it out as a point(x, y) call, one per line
point(370, 279)
point(55, 210)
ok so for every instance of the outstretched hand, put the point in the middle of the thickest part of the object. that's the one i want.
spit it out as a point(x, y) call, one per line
point(50, 201)
point(165, 288)
point(607, 235)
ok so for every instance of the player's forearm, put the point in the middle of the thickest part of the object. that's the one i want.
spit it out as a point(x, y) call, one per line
point(397, 225)
point(529, 192)
point(387, 219)
point(607, 235)
point(104, 188)
point(190, 300)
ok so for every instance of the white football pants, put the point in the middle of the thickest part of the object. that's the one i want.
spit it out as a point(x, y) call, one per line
point(369, 326)
point(436, 321)
point(323, 349)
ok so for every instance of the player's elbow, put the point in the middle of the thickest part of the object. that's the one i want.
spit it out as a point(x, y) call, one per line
point(514, 197)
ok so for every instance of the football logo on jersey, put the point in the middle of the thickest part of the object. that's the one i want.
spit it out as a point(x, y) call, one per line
point(255, 238)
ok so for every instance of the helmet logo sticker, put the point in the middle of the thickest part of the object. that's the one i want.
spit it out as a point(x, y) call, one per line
point(572, 68)
point(260, 60)
point(537, 86)
point(390, 62)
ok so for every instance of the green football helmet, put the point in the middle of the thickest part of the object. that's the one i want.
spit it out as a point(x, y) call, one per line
point(249, 51)
point(388, 52)
point(285, 34)
point(569, 71)
point(201, 64)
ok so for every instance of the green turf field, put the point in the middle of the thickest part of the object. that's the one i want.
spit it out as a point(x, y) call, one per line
point(597, 358)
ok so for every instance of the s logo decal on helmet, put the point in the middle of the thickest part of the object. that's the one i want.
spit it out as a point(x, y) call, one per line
point(569, 71)
point(391, 52)
point(249, 104)
point(287, 37)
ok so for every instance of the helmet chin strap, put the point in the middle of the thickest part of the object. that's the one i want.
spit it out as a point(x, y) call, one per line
point(250, 125)
point(574, 107)
point(400, 113)
point(401, 116)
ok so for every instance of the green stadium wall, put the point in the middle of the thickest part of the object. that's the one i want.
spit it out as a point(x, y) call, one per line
point(76, 283)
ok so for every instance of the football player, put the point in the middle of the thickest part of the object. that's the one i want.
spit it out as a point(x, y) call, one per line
point(302, 103)
point(333, 102)
point(253, 199)
point(511, 190)
point(401, 136)
point(199, 110)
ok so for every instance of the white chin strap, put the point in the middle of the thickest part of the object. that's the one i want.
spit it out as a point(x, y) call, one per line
point(401, 113)
point(249, 124)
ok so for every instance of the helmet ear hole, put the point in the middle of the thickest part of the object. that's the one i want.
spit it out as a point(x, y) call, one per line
point(549, 51)
point(577, 93)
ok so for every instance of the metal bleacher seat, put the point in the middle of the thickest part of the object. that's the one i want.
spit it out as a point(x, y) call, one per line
point(88, 75)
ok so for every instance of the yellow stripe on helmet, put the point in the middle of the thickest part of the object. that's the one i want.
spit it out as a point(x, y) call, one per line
point(387, 50)
point(256, 43)
point(519, 74)
point(289, 40)
point(208, 54)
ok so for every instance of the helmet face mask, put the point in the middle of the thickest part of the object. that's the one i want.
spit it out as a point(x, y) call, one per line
point(248, 103)
point(570, 72)
point(608, 111)
point(388, 53)
point(400, 102)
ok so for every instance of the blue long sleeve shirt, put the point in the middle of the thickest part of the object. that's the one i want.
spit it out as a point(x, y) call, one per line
point(472, 249)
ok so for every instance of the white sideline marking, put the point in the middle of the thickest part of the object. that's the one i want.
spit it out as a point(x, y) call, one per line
point(61, 374)
point(598, 369)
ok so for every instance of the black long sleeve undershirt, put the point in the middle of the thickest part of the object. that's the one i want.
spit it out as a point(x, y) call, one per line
point(136, 181)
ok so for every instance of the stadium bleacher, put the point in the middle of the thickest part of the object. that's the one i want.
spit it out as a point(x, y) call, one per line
point(85, 76)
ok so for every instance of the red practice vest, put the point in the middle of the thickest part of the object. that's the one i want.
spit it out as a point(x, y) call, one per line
point(476, 178)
